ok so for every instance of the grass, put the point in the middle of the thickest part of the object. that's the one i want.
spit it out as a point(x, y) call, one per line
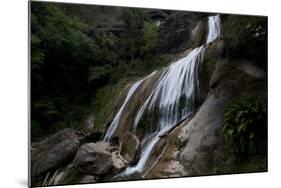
point(104, 103)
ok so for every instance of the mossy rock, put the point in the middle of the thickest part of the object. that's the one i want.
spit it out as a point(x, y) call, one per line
point(129, 147)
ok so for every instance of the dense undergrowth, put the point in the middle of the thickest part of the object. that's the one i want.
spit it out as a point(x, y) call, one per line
point(75, 67)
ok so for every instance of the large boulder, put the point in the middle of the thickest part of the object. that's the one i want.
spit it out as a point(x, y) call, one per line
point(54, 151)
point(129, 147)
point(94, 158)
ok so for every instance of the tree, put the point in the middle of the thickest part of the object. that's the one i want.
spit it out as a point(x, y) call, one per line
point(61, 53)
point(150, 39)
point(131, 40)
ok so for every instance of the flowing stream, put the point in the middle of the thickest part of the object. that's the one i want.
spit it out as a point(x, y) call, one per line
point(173, 98)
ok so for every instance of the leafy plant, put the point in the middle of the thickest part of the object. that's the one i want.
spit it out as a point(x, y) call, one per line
point(150, 39)
point(245, 125)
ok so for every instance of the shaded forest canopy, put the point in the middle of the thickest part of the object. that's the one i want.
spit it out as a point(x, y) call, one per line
point(73, 57)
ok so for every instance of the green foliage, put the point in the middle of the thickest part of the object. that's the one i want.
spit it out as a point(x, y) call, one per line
point(141, 37)
point(61, 52)
point(104, 102)
point(242, 33)
point(150, 39)
point(71, 63)
point(99, 72)
point(245, 125)
point(131, 39)
point(108, 44)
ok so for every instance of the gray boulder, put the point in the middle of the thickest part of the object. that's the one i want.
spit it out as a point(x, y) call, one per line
point(94, 158)
point(54, 151)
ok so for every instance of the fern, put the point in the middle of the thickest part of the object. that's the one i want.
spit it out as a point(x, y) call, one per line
point(245, 125)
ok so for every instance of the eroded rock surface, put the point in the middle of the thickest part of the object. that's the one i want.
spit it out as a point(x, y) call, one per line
point(129, 147)
point(200, 134)
point(93, 158)
point(54, 151)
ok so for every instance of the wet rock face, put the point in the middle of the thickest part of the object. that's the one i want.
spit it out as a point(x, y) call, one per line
point(177, 31)
point(93, 158)
point(134, 104)
point(129, 147)
point(54, 151)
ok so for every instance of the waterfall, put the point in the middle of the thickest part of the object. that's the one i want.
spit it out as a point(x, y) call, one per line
point(214, 28)
point(179, 81)
point(173, 98)
point(113, 126)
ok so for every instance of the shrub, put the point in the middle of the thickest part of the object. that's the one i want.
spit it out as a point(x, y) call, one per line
point(245, 125)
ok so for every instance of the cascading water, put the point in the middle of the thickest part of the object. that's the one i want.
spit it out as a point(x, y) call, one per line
point(214, 25)
point(178, 82)
point(173, 97)
point(113, 126)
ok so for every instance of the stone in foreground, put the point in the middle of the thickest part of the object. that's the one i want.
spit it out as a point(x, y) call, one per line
point(54, 151)
point(93, 158)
